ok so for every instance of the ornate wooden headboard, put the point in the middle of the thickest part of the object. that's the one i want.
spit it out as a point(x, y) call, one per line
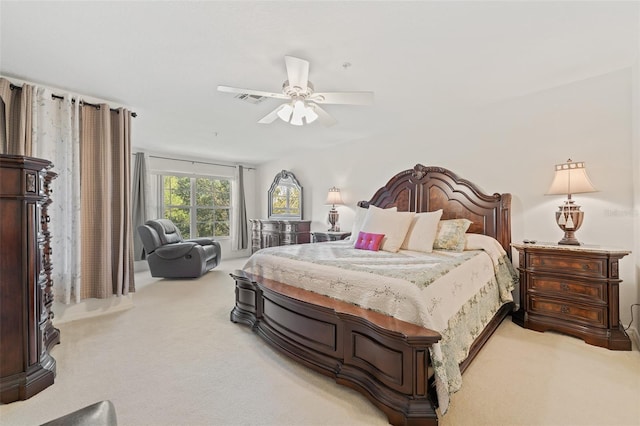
point(425, 189)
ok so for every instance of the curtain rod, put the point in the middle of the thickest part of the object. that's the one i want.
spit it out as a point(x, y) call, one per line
point(54, 96)
point(195, 161)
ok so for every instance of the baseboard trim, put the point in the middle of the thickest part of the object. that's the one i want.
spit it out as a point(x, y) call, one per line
point(635, 338)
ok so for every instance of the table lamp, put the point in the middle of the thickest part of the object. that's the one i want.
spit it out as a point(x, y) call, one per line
point(333, 198)
point(570, 178)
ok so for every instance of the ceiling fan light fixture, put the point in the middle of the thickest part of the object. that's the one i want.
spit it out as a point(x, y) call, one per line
point(299, 111)
point(310, 115)
point(302, 101)
point(285, 113)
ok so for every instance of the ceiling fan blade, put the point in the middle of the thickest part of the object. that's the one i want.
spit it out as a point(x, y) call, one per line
point(323, 116)
point(346, 98)
point(297, 72)
point(272, 116)
point(228, 89)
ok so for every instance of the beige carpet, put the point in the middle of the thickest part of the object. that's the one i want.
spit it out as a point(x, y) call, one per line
point(176, 359)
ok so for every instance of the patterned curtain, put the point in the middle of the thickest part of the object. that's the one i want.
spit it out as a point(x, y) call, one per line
point(107, 238)
point(56, 137)
point(90, 214)
point(16, 110)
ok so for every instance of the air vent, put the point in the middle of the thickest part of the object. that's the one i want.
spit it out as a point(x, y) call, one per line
point(252, 99)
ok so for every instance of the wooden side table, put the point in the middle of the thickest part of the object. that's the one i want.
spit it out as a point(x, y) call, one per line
point(319, 237)
point(573, 290)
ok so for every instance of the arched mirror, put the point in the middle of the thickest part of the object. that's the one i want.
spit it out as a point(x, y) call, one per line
point(285, 197)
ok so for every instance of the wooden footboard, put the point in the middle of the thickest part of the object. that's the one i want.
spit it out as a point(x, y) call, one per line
point(385, 359)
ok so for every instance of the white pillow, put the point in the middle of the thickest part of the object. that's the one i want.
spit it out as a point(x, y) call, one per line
point(393, 224)
point(486, 243)
point(422, 232)
point(358, 220)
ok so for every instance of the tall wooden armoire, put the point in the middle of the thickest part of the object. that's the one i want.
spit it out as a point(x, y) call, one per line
point(26, 296)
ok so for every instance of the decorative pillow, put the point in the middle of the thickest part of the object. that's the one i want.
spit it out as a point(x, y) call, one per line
point(422, 232)
point(393, 224)
point(368, 241)
point(450, 235)
point(358, 220)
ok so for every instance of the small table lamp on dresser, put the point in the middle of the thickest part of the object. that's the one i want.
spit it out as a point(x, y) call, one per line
point(573, 290)
point(570, 178)
point(333, 198)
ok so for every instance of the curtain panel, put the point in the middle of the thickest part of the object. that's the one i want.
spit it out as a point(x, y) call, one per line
point(16, 109)
point(107, 240)
point(240, 239)
point(139, 194)
point(56, 137)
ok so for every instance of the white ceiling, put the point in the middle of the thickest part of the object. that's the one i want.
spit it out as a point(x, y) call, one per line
point(422, 59)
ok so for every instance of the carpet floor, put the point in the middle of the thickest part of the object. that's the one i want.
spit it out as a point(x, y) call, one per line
point(176, 359)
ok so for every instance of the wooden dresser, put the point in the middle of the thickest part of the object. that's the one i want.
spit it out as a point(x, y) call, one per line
point(573, 290)
point(272, 233)
point(26, 330)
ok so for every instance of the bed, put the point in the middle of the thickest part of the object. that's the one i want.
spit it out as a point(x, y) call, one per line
point(396, 361)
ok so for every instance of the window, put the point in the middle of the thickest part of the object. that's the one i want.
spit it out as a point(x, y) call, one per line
point(286, 201)
point(198, 206)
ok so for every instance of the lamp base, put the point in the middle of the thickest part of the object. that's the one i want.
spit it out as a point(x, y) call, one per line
point(333, 219)
point(569, 239)
point(569, 218)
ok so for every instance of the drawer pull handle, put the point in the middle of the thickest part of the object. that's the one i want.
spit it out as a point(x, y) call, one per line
point(564, 309)
point(564, 286)
point(586, 267)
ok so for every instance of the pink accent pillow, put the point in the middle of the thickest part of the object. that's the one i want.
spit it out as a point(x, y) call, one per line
point(369, 241)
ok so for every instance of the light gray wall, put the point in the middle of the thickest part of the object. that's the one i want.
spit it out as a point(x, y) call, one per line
point(509, 146)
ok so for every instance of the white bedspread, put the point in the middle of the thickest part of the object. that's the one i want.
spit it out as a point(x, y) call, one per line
point(453, 293)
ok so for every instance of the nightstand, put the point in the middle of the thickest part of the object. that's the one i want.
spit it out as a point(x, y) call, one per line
point(572, 290)
point(319, 237)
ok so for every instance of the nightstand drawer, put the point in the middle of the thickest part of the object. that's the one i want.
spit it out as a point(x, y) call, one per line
point(593, 316)
point(570, 289)
point(588, 266)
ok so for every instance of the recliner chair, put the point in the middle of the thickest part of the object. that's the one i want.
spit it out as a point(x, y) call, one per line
point(170, 256)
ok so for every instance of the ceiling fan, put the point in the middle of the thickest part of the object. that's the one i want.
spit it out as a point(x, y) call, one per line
point(302, 106)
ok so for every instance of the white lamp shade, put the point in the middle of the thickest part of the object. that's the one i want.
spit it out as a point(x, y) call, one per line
point(334, 197)
point(298, 113)
point(285, 113)
point(310, 115)
point(570, 178)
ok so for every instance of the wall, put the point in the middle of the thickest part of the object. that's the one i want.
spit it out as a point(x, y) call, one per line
point(509, 146)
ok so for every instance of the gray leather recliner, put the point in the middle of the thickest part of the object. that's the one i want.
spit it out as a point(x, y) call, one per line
point(170, 256)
